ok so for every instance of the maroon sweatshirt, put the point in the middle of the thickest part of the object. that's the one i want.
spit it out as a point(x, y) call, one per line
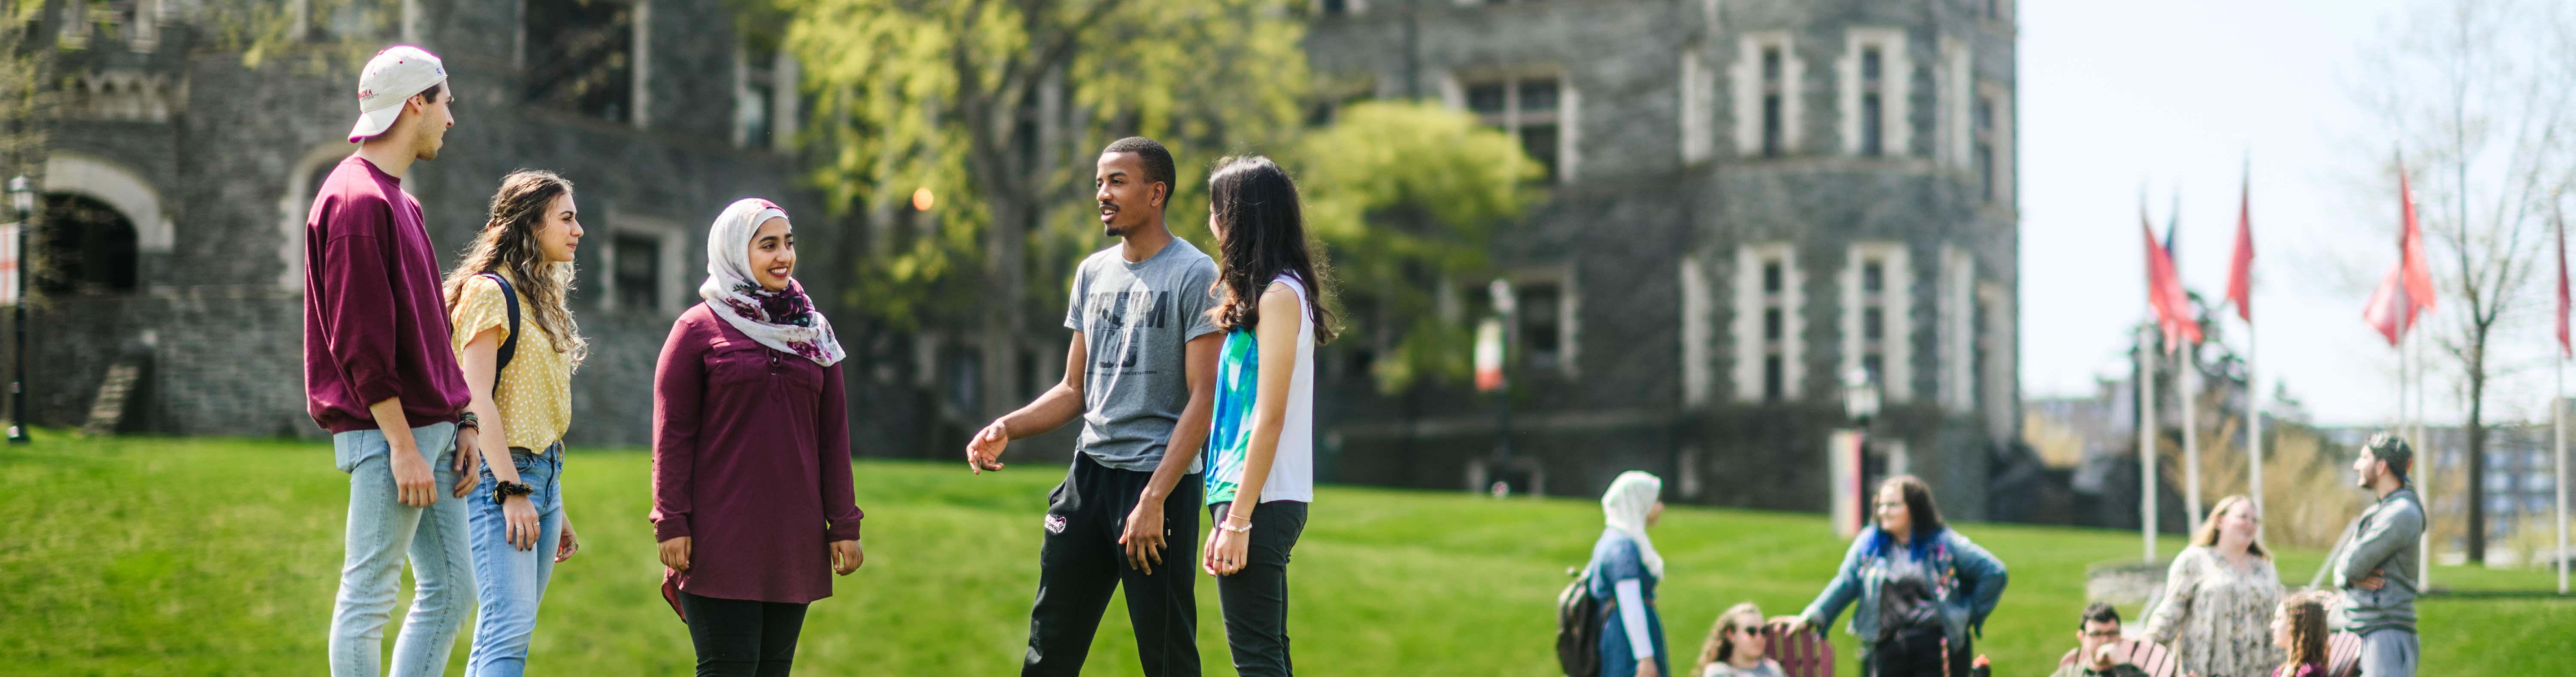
point(751, 460)
point(375, 324)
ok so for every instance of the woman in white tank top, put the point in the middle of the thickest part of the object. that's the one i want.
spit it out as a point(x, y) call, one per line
point(1261, 446)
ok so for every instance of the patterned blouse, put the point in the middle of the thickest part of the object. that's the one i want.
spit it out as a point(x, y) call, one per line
point(2218, 618)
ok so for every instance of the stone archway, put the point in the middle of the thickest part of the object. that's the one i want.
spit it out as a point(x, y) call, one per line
point(117, 187)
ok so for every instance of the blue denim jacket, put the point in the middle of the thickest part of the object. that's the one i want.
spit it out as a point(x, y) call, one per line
point(1970, 582)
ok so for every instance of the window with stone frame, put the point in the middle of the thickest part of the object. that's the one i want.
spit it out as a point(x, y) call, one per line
point(637, 274)
point(757, 112)
point(1873, 130)
point(1767, 326)
point(581, 56)
point(1984, 149)
point(1774, 100)
point(1532, 108)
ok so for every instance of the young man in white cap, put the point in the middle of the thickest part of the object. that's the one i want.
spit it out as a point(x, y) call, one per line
point(379, 375)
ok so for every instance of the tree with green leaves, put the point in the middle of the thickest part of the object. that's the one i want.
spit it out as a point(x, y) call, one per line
point(998, 107)
point(1408, 196)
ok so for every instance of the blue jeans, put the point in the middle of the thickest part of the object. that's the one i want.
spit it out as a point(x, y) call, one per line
point(2388, 653)
point(510, 581)
point(381, 530)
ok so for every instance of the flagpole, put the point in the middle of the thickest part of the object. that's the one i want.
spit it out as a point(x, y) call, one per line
point(2189, 395)
point(2424, 541)
point(2558, 401)
point(2253, 376)
point(2147, 438)
point(2254, 423)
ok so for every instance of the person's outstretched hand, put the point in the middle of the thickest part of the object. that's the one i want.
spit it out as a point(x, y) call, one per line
point(1791, 624)
point(984, 450)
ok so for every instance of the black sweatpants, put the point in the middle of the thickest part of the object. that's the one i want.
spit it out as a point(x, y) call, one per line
point(742, 638)
point(1081, 562)
point(1256, 598)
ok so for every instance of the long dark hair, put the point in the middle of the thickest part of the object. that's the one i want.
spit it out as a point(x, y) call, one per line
point(1919, 510)
point(508, 243)
point(1256, 205)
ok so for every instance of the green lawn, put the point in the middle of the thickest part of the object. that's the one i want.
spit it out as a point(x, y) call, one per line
point(146, 556)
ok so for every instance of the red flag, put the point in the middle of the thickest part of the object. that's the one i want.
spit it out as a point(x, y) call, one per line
point(2563, 348)
point(2419, 276)
point(2389, 310)
point(2165, 294)
point(2240, 271)
point(2409, 288)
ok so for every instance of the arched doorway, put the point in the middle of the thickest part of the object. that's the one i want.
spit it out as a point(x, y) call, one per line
point(83, 246)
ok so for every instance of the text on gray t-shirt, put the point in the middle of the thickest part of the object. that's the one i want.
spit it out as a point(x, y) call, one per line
point(1137, 320)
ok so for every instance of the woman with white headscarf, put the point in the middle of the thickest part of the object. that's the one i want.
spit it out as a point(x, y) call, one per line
point(1623, 574)
point(751, 452)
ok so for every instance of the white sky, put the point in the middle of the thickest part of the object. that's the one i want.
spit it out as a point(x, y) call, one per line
point(2176, 96)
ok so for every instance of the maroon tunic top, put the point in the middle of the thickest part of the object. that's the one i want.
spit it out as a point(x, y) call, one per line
point(751, 460)
point(375, 325)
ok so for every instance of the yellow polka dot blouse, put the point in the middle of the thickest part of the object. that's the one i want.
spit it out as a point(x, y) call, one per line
point(534, 393)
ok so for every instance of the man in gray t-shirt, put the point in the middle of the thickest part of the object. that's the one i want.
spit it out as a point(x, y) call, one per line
point(1137, 319)
point(1141, 374)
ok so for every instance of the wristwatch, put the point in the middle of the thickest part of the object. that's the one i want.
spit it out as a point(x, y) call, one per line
point(468, 421)
point(502, 491)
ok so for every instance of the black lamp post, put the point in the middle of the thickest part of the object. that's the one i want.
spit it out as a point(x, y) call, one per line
point(1860, 404)
point(22, 197)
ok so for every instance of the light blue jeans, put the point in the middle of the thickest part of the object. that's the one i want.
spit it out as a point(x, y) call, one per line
point(381, 529)
point(508, 581)
point(2388, 653)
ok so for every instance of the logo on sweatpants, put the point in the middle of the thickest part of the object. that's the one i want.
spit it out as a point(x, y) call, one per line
point(1055, 524)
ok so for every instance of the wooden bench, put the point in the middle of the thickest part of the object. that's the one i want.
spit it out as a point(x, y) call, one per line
point(2149, 656)
point(1801, 654)
point(2343, 654)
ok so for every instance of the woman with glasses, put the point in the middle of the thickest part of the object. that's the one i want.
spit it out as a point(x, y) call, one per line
point(2217, 610)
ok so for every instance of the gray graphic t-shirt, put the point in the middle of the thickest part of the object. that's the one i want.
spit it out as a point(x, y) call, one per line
point(1138, 319)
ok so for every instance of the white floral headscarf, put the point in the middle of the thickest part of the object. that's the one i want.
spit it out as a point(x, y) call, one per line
point(783, 319)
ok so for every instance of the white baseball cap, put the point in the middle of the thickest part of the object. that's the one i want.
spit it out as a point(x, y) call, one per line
point(390, 79)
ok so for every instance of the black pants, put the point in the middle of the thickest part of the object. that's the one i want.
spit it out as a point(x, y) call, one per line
point(1256, 598)
point(1082, 561)
point(742, 638)
point(1915, 652)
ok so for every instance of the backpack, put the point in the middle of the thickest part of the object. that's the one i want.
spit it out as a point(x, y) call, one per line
point(510, 341)
point(1578, 627)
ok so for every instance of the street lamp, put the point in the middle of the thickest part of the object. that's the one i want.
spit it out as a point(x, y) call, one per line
point(1849, 463)
point(1860, 397)
point(22, 197)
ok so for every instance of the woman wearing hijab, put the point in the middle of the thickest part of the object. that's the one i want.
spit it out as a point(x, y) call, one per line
point(1623, 574)
point(1924, 590)
point(751, 452)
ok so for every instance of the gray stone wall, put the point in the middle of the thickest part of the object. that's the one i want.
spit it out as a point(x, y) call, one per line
point(227, 354)
point(1633, 209)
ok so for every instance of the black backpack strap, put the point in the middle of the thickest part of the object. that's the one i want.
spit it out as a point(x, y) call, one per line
point(509, 342)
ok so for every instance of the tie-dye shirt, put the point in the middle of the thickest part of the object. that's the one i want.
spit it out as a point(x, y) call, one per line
point(1238, 378)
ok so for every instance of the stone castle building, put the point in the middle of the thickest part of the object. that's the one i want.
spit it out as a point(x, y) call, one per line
point(178, 180)
point(1748, 199)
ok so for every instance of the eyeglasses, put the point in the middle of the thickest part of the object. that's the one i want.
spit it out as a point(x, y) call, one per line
point(1889, 504)
point(2104, 634)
